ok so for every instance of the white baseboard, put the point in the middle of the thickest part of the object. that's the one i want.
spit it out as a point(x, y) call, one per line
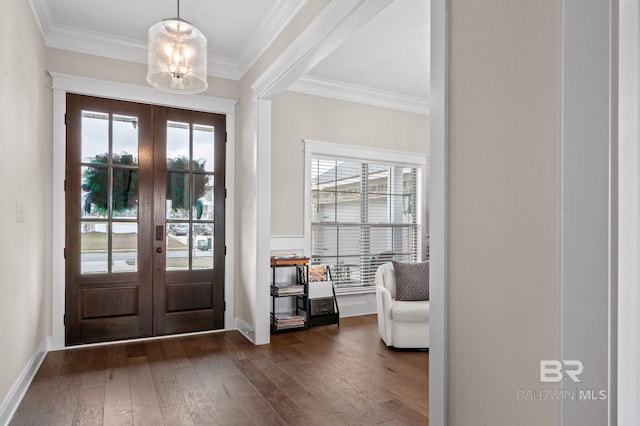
point(352, 305)
point(19, 389)
point(246, 329)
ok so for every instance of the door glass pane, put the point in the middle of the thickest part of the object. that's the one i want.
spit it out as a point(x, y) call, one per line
point(93, 247)
point(95, 136)
point(124, 247)
point(125, 193)
point(177, 195)
point(203, 190)
point(203, 144)
point(125, 139)
point(177, 145)
point(177, 246)
point(95, 192)
point(202, 252)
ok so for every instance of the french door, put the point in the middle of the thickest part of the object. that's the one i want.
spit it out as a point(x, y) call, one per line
point(144, 220)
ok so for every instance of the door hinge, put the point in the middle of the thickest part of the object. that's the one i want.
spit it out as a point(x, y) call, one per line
point(225, 250)
point(225, 193)
point(65, 118)
point(64, 253)
point(226, 137)
point(64, 319)
point(65, 185)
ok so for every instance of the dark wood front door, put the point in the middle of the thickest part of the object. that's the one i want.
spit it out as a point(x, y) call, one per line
point(144, 220)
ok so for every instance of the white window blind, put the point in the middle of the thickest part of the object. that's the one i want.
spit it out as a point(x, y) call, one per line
point(363, 214)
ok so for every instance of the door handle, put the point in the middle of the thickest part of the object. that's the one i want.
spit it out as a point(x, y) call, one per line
point(159, 250)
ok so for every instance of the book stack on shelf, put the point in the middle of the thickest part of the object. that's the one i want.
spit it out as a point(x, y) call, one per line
point(289, 290)
point(286, 320)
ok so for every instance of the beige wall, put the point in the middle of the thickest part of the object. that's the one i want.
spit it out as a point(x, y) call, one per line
point(503, 208)
point(297, 116)
point(25, 173)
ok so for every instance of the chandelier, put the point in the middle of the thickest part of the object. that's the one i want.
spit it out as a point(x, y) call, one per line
point(177, 56)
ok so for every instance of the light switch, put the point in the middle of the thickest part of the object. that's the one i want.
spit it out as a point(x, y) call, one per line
point(20, 213)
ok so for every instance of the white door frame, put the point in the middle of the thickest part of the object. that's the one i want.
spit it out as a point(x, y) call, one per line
point(63, 83)
point(438, 214)
point(629, 214)
point(588, 209)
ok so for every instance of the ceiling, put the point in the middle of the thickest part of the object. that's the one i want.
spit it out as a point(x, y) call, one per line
point(388, 58)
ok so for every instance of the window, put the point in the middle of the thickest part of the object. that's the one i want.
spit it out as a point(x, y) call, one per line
point(363, 213)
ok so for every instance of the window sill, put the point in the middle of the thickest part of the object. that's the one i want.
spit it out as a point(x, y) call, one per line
point(356, 290)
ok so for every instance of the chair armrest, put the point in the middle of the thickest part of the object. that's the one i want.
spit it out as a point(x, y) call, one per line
point(384, 302)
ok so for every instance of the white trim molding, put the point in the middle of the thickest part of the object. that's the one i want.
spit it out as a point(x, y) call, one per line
point(356, 304)
point(20, 387)
point(588, 210)
point(364, 95)
point(438, 214)
point(629, 215)
point(262, 184)
point(64, 83)
point(364, 153)
point(246, 329)
point(277, 20)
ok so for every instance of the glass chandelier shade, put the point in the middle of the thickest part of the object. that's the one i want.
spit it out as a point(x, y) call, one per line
point(177, 57)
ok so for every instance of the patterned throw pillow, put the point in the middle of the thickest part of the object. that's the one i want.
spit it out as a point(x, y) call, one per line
point(412, 281)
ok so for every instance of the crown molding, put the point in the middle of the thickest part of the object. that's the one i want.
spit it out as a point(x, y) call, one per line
point(107, 45)
point(359, 94)
point(95, 43)
point(270, 28)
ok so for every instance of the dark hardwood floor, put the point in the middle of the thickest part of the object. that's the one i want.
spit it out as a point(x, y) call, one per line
point(324, 376)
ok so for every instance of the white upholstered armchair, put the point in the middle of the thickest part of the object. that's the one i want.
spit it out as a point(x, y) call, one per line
point(401, 324)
